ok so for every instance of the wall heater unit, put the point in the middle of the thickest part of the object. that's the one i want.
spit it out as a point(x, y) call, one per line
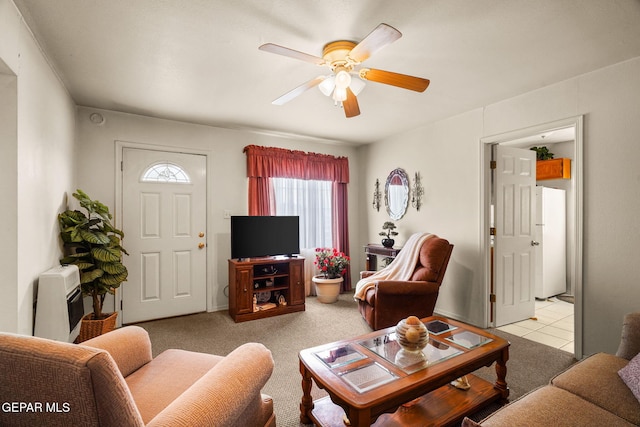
point(59, 308)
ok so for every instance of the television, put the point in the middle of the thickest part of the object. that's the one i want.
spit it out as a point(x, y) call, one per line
point(263, 236)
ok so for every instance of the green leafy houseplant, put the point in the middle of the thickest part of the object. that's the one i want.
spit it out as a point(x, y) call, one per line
point(93, 244)
point(542, 153)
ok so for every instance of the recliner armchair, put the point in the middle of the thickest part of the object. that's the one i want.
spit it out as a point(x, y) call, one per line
point(390, 301)
point(112, 380)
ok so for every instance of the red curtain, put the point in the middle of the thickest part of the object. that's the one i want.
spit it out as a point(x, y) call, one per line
point(266, 162)
point(340, 226)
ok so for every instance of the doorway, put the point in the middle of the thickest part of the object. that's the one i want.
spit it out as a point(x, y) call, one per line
point(164, 219)
point(550, 134)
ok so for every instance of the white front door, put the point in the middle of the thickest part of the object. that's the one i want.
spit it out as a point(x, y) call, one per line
point(164, 220)
point(515, 196)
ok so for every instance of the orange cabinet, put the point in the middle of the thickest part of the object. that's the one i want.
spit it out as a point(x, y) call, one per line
point(553, 169)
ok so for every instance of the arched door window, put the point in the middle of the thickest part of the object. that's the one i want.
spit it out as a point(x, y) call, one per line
point(165, 172)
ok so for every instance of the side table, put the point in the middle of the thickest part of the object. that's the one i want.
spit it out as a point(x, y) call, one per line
point(372, 251)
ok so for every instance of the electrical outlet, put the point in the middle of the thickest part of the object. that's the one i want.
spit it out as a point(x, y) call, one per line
point(226, 214)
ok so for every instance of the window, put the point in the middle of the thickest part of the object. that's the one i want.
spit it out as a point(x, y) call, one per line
point(311, 201)
point(165, 172)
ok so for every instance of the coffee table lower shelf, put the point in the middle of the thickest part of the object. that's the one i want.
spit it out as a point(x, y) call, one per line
point(442, 407)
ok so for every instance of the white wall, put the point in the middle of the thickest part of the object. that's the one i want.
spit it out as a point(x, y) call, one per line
point(227, 180)
point(40, 168)
point(447, 155)
point(9, 194)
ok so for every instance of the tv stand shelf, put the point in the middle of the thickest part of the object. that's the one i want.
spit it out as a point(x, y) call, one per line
point(270, 280)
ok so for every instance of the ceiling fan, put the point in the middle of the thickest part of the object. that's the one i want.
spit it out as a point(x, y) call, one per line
point(347, 77)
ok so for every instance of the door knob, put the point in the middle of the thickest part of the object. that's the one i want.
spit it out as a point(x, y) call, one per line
point(200, 245)
point(534, 243)
point(201, 234)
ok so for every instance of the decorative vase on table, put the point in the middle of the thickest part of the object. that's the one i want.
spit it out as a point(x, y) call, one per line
point(412, 334)
point(328, 290)
point(388, 243)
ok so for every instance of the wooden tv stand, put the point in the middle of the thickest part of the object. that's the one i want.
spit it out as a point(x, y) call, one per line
point(268, 279)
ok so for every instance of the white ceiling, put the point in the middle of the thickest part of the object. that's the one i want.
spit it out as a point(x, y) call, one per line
point(198, 60)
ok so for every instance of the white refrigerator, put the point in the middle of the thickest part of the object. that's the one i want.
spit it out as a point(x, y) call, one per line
point(551, 250)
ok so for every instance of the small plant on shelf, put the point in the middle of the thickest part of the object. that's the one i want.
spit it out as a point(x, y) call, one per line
point(388, 232)
point(542, 153)
point(331, 262)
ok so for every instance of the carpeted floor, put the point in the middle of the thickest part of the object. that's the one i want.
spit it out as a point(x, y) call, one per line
point(530, 364)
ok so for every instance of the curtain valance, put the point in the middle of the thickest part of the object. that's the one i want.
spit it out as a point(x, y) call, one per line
point(267, 162)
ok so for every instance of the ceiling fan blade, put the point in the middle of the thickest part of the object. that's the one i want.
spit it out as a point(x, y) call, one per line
point(350, 105)
point(395, 79)
point(381, 36)
point(285, 51)
point(298, 91)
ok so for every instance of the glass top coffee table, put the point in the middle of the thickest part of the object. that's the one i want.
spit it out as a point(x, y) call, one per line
point(369, 377)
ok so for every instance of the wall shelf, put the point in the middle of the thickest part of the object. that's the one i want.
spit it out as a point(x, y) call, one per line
point(553, 169)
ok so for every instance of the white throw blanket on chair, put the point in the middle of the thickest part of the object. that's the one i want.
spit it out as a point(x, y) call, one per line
point(401, 268)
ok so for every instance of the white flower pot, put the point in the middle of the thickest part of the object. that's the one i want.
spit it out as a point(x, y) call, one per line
point(328, 290)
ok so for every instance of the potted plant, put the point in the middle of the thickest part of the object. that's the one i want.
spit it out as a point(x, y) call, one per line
point(92, 243)
point(542, 153)
point(331, 264)
point(388, 231)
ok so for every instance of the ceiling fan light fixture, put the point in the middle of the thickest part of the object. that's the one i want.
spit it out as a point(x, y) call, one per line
point(343, 79)
point(357, 85)
point(340, 94)
point(327, 85)
point(343, 58)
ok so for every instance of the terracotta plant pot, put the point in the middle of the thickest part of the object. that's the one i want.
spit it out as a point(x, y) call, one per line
point(328, 290)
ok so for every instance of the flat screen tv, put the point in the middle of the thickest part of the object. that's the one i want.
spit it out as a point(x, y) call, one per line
point(262, 236)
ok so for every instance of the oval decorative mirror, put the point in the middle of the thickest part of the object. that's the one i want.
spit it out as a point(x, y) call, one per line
point(396, 193)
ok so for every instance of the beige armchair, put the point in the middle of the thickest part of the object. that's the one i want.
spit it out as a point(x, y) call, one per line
point(112, 380)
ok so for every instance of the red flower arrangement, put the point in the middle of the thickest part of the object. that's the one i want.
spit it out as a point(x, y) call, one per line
point(331, 263)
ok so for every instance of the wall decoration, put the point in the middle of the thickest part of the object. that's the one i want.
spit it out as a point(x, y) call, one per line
point(418, 192)
point(376, 196)
point(396, 193)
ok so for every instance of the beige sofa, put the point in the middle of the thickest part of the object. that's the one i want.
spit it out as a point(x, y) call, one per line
point(587, 394)
point(112, 380)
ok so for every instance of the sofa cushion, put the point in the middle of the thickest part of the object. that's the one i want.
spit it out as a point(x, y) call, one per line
point(231, 390)
point(596, 380)
point(550, 406)
point(431, 259)
point(630, 374)
point(630, 338)
point(170, 374)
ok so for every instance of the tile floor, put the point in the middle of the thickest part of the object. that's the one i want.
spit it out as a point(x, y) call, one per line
point(553, 327)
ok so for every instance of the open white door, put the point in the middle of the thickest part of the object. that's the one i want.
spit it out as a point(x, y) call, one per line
point(164, 219)
point(515, 197)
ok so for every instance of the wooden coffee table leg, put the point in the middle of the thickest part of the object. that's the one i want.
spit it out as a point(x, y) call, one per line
point(359, 418)
point(501, 371)
point(307, 401)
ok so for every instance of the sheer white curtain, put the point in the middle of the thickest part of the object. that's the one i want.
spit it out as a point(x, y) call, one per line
point(311, 201)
